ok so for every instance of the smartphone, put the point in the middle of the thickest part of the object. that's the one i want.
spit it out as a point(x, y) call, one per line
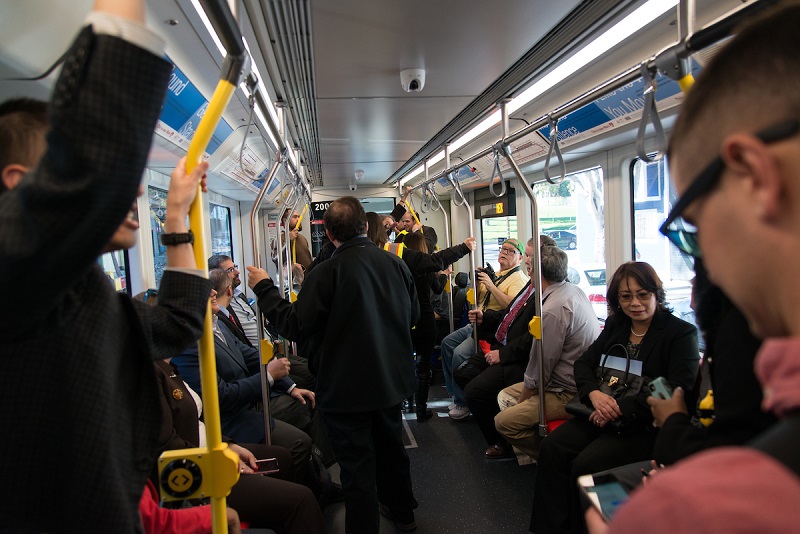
point(605, 493)
point(267, 466)
point(660, 388)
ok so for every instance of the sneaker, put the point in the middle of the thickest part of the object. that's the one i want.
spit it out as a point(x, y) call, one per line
point(459, 412)
point(452, 405)
point(403, 527)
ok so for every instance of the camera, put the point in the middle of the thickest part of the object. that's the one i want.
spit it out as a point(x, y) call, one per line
point(489, 272)
point(412, 80)
point(353, 186)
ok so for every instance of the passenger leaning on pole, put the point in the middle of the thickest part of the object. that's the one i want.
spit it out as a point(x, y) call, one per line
point(77, 379)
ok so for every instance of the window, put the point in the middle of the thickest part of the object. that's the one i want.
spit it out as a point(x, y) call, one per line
point(675, 268)
point(221, 242)
point(158, 207)
point(115, 265)
point(494, 232)
point(571, 212)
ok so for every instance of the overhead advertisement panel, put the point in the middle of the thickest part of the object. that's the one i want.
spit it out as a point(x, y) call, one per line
point(182, 111)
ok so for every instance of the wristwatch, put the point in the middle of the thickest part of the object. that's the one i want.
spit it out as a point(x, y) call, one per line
point(170, 240)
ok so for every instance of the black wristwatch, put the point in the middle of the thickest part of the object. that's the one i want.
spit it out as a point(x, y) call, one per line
point(170, 240)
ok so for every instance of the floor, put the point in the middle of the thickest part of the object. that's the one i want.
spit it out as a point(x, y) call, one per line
point(458, 490)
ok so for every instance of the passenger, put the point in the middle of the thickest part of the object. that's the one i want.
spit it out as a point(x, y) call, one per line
point(77, 380)
point(195, 520)
point(569, 326)
point(239, 382)
point(239, 306)
point(390, 221)
point(221, 283)
point(496, 295)
point(424, 333)
point(358, 328)
point(730, 351)
point(261, 501)
point(407, 225)
point(640, 321)
point(745, 208)
point(301, 254)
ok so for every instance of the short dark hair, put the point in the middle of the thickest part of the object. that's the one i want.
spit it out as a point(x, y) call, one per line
point(220, 280)
point(554, 264)
point(375, 229)
point(645, 276)
point(23, 125)
point(546, 241)
point(215, 261)
point(345, 219)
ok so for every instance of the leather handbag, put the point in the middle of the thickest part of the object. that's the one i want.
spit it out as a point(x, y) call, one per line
point(612, 382)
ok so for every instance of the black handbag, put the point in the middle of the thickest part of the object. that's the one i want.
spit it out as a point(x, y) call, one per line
point(612, 382)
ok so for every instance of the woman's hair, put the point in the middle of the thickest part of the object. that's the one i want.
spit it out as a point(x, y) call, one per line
point(416, 241)
point(645, 276)
point(375, 230)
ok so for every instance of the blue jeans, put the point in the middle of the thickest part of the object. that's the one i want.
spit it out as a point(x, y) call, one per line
point(456, 348)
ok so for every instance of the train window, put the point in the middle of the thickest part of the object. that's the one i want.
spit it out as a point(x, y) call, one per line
point(494, 232)
point(115, 265)
point(653, 196)
point(220, 218)
point(158, 207)
point(571, 212)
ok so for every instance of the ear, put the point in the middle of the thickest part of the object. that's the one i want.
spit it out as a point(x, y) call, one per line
point(12, 174)
point(751, 159)
point(229, 291)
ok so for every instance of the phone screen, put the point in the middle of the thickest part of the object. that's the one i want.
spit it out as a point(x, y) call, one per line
point(607, 497)
point(267, 466)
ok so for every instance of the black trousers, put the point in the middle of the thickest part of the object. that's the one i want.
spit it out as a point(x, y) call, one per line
point(481, 393)
point(269, 502)
point(423, 336)
point(578, 448)
point(374, 466)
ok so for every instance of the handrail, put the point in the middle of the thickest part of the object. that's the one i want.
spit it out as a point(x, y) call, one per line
point(448, 243)
point(497, 172)
point(223, 461)
point(664, 61)
point(256, 248)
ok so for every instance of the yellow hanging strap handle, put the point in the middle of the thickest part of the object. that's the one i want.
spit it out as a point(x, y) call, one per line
point(218, 464)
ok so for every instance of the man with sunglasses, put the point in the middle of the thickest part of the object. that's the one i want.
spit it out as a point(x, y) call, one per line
point(735, 159)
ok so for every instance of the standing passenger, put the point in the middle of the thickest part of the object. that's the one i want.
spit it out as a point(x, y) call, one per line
point(358, 329)
point(77, 381)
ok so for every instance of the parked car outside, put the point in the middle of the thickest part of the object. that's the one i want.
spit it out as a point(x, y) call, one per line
point(591, 278)
point(564, 239)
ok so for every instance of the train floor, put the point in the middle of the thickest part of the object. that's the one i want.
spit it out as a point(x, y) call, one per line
point(458, 490)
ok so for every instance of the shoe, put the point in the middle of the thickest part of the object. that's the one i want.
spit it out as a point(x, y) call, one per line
point(424, 415)
point(497, 451)
point(459, 412)
point(403, 527)
point(451, 406)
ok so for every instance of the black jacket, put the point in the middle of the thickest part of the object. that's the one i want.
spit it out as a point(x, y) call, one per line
point(353, 320)
point(668, 349)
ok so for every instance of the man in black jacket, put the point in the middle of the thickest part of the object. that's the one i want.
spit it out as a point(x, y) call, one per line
point(362, 358)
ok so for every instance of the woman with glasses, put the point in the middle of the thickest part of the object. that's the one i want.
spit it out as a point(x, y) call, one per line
point(640, 321)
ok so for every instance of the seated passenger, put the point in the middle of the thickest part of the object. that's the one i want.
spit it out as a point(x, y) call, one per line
point(239, 383)
point(261, 501)
point(639, 321)
point(194, 520)
point(734, 157)
point(496, 295)
point(569, 326)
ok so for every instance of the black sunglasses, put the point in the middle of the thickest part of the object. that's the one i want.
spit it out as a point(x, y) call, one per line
point(683, 235)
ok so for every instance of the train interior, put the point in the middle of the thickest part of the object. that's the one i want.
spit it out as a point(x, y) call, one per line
point(333, 96)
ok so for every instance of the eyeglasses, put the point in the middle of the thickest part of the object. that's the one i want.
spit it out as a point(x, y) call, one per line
point(682, 234)
point(229, 270)
point(509, 250)
point(641, 296)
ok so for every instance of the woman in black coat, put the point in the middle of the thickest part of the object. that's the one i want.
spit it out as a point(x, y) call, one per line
point(667, 346)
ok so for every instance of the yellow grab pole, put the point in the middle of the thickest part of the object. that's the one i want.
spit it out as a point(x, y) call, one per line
point(223, 461)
